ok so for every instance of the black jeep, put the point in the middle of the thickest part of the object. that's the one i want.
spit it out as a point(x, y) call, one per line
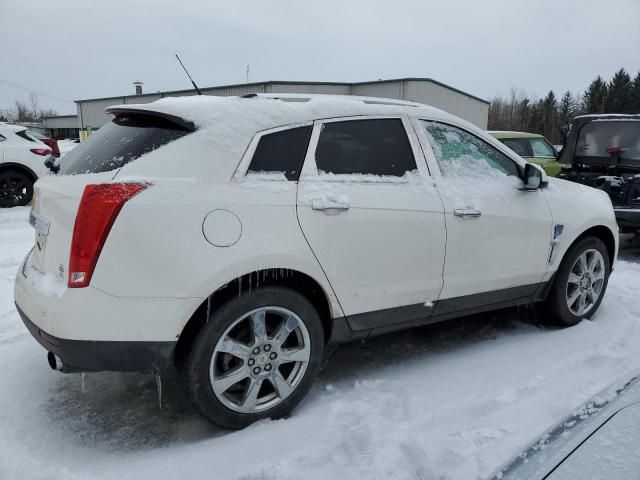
point(603, 151)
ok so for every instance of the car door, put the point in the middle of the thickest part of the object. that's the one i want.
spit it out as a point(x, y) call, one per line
point(498, 235)
point(373, 218)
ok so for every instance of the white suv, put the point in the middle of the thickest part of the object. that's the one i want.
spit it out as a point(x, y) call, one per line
point(22, 158)
point(235, 238)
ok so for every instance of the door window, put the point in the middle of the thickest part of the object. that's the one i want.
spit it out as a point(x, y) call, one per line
point(517, 145)
point(460, 153)
point(282, 151)
point(541, 148)
point(374, 147)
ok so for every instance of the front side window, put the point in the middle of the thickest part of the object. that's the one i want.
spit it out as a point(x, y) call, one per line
point(460, 153)
point(282, 152)
point(371, 147)
point(541, 148)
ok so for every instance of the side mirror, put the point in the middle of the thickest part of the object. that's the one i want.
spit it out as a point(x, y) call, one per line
point(534, 177)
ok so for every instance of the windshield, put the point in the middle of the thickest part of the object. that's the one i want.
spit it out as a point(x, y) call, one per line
point(596, 138)
point(119, 142)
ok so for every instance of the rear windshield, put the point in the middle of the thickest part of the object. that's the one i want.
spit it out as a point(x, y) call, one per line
point(119, 142)
point(598, 136)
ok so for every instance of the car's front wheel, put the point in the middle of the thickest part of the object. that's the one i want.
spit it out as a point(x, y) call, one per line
point(580, 283)
point(256, 357)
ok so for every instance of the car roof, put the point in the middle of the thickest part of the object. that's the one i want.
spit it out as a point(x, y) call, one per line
point(12, 128)
point(502, 134)
point(273, 110)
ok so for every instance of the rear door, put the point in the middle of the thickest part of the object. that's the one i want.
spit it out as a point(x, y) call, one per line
point(372, 216)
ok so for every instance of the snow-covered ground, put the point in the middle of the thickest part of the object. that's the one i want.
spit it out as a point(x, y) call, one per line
point(451, 401)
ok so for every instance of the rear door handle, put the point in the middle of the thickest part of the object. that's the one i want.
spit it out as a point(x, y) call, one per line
point(467, 212)
point(329, 207)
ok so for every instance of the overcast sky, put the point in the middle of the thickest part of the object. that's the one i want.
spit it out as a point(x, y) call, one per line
point(69, 50)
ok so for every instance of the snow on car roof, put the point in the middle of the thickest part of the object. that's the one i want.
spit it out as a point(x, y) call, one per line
point(268, 111)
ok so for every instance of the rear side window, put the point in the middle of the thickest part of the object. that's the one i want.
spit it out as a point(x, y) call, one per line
point(119, 142)
point(2, 138)
point(282, 151)
point(23, 134)
point(375, 147)
point(518, 146)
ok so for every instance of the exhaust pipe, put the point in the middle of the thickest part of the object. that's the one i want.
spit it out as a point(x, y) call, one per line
point(55, 362)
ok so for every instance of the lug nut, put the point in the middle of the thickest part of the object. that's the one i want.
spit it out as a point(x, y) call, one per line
point(273, 355)
point(256, 370)
point(267, 348)
point(256, 351)
point(251, 362)
point(267, 367)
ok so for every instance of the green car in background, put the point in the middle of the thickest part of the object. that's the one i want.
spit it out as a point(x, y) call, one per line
point(532, 147)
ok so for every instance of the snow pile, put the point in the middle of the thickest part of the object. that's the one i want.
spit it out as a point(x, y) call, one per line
point(451, 401)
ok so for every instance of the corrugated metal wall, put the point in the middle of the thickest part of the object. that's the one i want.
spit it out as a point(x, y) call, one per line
point(91, 112)
point(449, 100)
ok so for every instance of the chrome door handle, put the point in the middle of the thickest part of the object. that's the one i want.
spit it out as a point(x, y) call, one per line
point(329, 207)
point(467, 212)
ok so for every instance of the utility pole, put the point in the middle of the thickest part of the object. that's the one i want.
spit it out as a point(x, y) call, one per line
point(247, 73)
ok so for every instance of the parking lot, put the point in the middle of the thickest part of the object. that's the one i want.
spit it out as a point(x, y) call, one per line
point(450, 401)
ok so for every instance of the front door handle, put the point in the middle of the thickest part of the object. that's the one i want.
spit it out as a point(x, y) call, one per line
point(329, 207)
point(467, 212)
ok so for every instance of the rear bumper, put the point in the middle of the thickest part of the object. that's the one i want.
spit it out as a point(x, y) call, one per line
point(97, 356)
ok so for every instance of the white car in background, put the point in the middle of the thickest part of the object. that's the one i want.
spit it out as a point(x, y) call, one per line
point(234, 238)
point(22, 158)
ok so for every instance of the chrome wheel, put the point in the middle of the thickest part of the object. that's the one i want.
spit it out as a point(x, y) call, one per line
point(260, 359)
point(585, 282)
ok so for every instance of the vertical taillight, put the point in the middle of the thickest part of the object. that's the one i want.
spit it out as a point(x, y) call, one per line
point(99, 207)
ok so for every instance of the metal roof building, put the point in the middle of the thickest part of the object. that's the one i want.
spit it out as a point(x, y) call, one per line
point(423, 90)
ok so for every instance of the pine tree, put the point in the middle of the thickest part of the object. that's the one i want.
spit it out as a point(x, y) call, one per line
point(619, 93)
point(550, 117)
point(567, 108)
point(595, 96)
point(635, 95)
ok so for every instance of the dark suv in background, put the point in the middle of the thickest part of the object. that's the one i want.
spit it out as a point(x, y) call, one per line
point(603, 151)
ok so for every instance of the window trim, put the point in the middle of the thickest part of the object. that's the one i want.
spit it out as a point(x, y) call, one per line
point(310, 168)
point(491, 141)
point(243, 166)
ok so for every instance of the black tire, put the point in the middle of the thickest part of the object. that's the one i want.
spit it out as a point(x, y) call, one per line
point(555, 308)
point(16, 188)
point(194, 369)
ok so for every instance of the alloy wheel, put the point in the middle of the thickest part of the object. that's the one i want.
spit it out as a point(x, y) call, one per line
point(585, 282)
point(260, 360)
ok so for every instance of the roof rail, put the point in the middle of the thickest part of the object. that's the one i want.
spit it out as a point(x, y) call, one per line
point(302, 97)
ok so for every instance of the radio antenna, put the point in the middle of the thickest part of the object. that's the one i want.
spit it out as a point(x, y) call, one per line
point(185, 71)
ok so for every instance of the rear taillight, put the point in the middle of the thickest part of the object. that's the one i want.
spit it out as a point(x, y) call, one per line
point(99, 207)
point(41, 151)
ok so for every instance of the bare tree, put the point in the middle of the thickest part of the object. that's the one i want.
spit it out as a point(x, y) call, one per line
point(34, 100)
point(23, 113)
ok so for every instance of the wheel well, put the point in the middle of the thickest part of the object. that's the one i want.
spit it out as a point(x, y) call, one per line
point(604, 234)
point(243, 285)
point(19, 167)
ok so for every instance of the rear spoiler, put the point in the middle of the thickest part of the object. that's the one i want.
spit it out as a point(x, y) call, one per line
point(181, 122)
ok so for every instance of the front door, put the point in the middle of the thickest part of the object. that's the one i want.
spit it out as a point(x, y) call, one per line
point(373, 218)
point(498, 235)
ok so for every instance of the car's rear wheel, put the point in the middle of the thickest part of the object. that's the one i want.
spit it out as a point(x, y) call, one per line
point(256, 357)
point(16, 188)
point(580, 283)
